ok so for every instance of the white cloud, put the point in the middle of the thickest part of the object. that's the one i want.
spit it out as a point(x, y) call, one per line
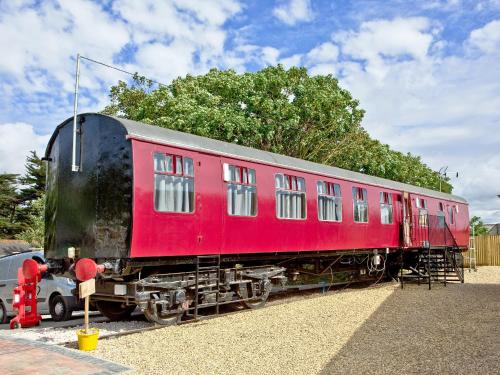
point(290, 61)
point(322, 59)
point(326, 52)
point(382, 40)
point(486, 38)
point(444, 108)
point(18, 139)
point(294, 11)
point(42, 41)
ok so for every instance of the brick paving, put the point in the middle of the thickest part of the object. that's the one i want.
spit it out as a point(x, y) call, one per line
point(20, 356)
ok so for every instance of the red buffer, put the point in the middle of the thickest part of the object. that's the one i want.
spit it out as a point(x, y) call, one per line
point(25, 294)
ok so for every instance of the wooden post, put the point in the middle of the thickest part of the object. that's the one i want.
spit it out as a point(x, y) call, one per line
point(87, 315)
point(87, 288)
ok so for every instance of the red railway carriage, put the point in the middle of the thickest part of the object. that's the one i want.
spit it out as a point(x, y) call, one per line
point(149, 201)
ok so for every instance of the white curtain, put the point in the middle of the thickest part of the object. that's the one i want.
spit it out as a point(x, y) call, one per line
point(290, 205)
point(241, 200)
point(386, 213)
point(174, 193)
point(329, 208)
point(361, 212)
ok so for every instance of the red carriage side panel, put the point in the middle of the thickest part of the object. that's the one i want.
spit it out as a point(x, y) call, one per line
point(207, 227)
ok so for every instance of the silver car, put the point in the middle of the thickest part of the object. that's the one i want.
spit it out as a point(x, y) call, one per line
point(54, 293)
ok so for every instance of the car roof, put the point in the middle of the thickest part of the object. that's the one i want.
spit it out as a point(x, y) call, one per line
point(13, 252)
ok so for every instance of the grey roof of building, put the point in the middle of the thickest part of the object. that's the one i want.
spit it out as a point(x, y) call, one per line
point(185, 140)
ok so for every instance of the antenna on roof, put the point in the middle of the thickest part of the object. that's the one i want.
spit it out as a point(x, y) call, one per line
point(74, 166)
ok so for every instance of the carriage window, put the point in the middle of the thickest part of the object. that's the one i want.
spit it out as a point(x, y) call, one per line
point(360, 201)
point(386, 208)
point(421, 203)
point(422, 211)
point(241, 190)
point(290, 197)
point(441, 215)
point(329, 201)
point(174, 183)
point(451, 216)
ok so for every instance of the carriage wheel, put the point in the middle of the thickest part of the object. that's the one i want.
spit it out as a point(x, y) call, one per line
point(154, 314)
point(260, 300)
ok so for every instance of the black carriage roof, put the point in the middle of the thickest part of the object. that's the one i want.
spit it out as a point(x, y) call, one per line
point(161, 135)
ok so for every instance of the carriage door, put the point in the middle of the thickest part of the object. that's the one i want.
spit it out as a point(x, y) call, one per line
point(407, 219)
point(209, 204)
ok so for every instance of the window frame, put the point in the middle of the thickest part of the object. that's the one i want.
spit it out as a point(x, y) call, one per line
point(182, 175)
point(331, 193)
point(228, 182)
point(355, 201)
point(292, 190)
point(390, 198)
point(451, 215)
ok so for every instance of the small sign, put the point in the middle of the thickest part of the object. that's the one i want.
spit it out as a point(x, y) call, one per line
point(87, 288)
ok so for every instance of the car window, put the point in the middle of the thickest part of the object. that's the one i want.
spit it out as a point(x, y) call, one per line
point(17, 262)
point(4, 268)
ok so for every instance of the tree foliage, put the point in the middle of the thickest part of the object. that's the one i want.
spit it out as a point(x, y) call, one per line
point(477, 226)
point(35, 229)
point(282, 111)
point(33, 181)
point(21, 198)
point(9, 225)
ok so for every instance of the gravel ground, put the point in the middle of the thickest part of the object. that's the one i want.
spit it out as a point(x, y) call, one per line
point(450, 330)
point(57, 335)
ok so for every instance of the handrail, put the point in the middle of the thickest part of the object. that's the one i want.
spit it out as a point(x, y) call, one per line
point(430, 231)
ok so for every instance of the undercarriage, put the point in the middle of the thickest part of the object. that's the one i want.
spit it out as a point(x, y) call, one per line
point(166, 297)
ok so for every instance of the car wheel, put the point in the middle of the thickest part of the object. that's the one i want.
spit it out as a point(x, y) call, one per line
point(59, 309)
point(3, 314)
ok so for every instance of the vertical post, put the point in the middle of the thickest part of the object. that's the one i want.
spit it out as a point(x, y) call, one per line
point(74, 167)
point(429, 265)
point(418, 267)
point(445, 264)
point(402, 264)
point(87, 315)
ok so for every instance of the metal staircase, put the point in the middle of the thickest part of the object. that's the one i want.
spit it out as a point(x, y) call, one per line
point(439, 258)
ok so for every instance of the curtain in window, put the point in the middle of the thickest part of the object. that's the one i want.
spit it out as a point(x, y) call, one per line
point(329, 208)
point(290, 205)
point(361, 212)
point(241, 200)
point(174, 193)
point(386, 213)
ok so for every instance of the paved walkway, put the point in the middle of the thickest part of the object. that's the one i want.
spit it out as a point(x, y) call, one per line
point(21, 357)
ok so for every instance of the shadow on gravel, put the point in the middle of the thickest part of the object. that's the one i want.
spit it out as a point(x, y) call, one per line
point(447, 330)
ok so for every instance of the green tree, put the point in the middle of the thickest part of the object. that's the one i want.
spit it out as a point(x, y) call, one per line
point(34, 232)
point(477, 225)
point(9, 224)
point(282, 111)
point(33, 181)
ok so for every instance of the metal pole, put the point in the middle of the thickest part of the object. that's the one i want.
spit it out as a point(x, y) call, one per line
point(429, 265)
point(74, 167)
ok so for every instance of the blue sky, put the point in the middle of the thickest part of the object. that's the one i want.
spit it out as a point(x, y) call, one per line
point(426, 72)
